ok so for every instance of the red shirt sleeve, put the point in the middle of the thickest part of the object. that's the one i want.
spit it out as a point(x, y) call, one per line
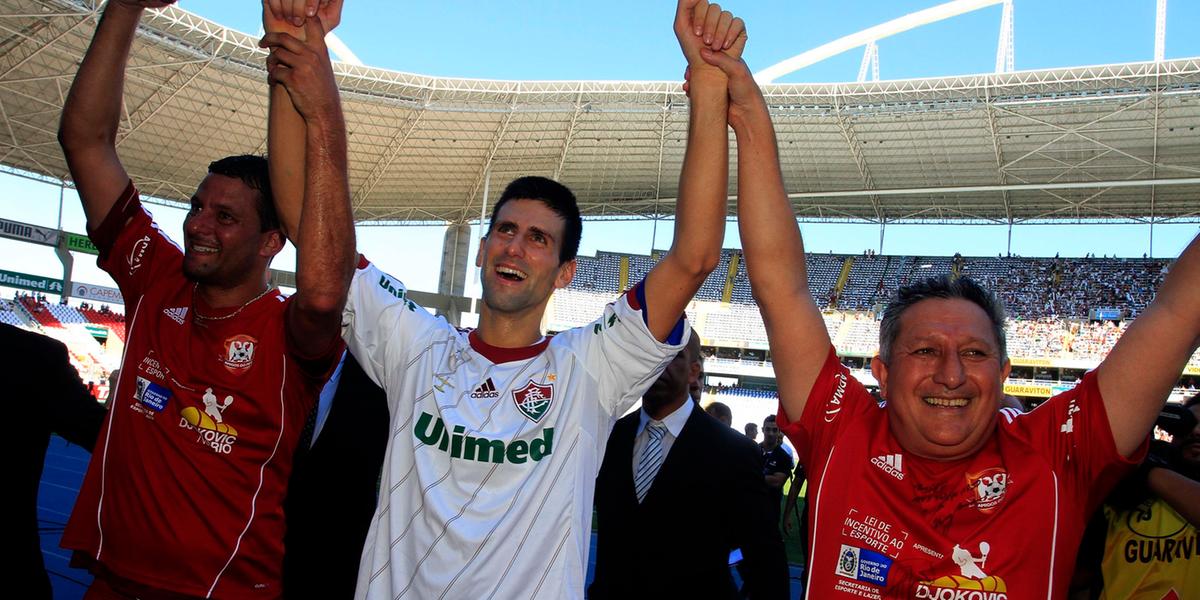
point(1073, 433)
point(133, 250)
point(835, 398)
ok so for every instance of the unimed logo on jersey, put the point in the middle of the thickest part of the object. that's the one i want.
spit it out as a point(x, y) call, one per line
point(432, 431)
point(533, 400)
point(397, 291)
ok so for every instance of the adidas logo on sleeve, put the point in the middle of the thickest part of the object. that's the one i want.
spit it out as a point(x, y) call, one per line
point(487, 389)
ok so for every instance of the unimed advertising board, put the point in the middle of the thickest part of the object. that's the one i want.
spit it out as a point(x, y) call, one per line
point(35, 283)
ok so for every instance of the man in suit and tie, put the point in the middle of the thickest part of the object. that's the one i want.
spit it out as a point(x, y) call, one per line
point(666, 468)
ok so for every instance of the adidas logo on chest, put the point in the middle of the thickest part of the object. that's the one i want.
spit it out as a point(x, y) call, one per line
point(485, 390)
point(177, 314)
point(892, 464)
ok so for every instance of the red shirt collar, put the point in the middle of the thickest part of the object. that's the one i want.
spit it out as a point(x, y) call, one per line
point(498, 355)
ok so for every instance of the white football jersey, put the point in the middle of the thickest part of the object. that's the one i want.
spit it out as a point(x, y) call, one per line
point(487, 484)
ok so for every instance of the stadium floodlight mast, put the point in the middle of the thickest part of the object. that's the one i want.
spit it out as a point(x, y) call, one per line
point(1004, 50)
point(871, 60)
point(1160, 31)
point(871, 35)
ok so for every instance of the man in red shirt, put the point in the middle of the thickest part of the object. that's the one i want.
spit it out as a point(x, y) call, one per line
point(184, 496)
point(939, 494)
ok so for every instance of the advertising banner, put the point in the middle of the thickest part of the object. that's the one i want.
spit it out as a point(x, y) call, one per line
point(80, 243)
point(1025, 389)
point(28, 233)
point(36, 283)
point(99, 293)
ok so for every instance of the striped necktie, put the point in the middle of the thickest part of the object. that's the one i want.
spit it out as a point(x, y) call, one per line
point(652, 459)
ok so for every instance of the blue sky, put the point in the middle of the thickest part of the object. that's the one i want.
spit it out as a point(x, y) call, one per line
point(632, 40)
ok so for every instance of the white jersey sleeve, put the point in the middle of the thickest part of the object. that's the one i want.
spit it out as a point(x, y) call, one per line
point(621, 353)
point(381, 324)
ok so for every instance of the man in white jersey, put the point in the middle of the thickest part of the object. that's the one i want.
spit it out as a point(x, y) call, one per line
point(497, 433)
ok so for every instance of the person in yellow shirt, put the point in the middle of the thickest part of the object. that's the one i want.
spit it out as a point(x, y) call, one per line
point(1152, 548)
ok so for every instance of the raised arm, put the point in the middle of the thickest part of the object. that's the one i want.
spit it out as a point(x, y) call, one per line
point(323, 227)
point(286, 131)
point(771, 243)
point(1137, 376)
point(704, 179)
point(88, 129)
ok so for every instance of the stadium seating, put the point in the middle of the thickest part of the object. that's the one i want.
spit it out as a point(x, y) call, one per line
point(65, 314)
point(68, 325)
point(39, 311)
point(1048, 300)
point(115, 322)
point(10, 316)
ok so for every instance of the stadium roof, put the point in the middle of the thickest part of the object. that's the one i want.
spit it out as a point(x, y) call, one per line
point(1103, 142)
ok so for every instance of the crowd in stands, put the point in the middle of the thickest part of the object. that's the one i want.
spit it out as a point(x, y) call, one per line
point(69, 324)
point(1030, 287)
point(1049, 301)
point(1069, 287)
point(725, 392)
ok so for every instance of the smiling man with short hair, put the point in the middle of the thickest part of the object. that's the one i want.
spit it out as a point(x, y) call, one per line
point(183, 497)
point(497, 433)
point(940, 493)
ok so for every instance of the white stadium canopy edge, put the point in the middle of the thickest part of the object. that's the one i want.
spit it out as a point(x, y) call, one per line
point(1109, 142)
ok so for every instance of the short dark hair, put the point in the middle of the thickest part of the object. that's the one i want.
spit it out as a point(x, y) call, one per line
point(253, 172)
point(554, 195)
point(719, 410)
point(769, 419)
point(943, 287)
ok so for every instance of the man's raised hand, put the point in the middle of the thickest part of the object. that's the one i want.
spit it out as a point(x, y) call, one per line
point(728, 37)
point(304, 70)
point(699, 24)
point(289, 16)
point(745, 96)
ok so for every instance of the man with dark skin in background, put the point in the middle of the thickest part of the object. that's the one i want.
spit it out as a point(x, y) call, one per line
point(658, 460)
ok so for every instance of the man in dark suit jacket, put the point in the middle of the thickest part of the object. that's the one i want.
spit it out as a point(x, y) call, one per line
point(334, 486)
point(707, 497)
point(44, 397)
